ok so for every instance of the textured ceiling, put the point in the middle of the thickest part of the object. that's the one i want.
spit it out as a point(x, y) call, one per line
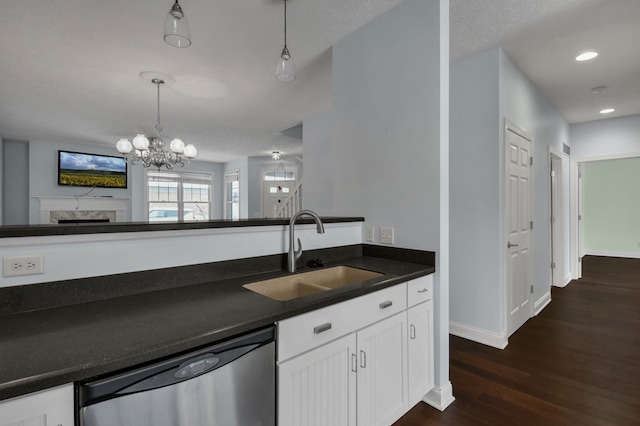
point(69, 69)
point(543, 37)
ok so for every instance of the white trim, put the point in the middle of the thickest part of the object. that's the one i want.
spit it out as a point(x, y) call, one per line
point(567, 280)
point(440, 398)
point(558, 258)
point(542, 303)
point(576, 271)
point(486, 337)
point(627, 254)
point(51, 203)
point(607, 157)
point(573, 219)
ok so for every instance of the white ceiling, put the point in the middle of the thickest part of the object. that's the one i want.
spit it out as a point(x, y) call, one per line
point(69, 69)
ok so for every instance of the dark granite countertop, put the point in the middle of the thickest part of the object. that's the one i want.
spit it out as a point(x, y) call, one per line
point(11, 231)
point(44, 348)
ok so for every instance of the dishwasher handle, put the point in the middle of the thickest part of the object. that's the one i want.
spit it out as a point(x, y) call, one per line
point(174, 370)
point(189, 369)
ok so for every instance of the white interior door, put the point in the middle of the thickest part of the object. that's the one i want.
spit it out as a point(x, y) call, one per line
point(518, 222)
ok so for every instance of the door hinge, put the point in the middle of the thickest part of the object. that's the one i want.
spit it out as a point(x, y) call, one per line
point(579, 175)
point(531, 289)
point(531, 161)
point(579, 259)
point(553, 219)
point(531, 224)
point(579, 217)
point(553, 265)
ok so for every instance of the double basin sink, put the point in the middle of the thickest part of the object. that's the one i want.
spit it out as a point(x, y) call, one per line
point(297, 285)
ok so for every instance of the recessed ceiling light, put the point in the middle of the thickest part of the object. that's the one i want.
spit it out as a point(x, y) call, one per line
point(586, 56)
point(607, 111)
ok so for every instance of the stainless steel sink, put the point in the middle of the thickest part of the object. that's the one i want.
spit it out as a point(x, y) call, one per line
point(298, 285)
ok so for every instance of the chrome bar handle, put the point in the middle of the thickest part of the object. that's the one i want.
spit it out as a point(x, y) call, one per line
point(354, 363)
point(412, 332)
point(423, 290)
point(386, 304)
point(363, 359)
point(322, 328)
point(509, 245)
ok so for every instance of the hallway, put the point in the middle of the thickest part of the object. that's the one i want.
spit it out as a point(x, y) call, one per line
point(577, 363)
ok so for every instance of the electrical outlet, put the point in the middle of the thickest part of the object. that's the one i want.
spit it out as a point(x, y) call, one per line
point(370, 233)
point(386, 236)
point(22, 265)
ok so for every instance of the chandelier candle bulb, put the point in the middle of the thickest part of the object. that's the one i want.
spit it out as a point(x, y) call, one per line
point(141, 142)
point(124, 146)
point(177, 146)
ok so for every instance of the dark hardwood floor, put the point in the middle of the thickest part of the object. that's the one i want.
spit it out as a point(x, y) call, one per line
point(576, 363)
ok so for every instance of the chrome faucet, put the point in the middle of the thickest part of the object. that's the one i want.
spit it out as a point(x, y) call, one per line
point(294, 254)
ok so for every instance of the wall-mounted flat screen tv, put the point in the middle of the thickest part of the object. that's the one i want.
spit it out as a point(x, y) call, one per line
point(80, 169)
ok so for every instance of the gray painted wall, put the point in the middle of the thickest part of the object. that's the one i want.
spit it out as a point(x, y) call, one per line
point(386, 131)
point(16, 182)
point(610, 137)
point(485, 90)
point(317, 150)
point(523, 103)
point(2, 190)
point(475, 231)
point(388, 157)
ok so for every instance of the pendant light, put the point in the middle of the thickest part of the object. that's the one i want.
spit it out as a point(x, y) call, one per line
point(285, 70)
point(176, 28)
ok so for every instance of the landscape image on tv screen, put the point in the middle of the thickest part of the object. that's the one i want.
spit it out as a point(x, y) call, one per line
point(79, 169)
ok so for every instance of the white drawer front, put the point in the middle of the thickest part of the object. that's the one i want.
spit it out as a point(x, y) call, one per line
point(420, 290)
point(303, 332)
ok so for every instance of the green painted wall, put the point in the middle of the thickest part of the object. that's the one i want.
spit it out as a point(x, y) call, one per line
point(612, 206)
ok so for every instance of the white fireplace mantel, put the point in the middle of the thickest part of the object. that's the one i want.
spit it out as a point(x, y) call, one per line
point(52, 203)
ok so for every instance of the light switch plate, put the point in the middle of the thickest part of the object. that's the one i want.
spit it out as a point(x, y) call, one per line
point(370, 233)
point(386, 236)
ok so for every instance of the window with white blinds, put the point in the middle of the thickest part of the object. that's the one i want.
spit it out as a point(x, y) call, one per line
point(178, 196)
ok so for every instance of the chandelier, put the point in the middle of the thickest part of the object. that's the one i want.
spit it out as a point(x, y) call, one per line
point(151, 151)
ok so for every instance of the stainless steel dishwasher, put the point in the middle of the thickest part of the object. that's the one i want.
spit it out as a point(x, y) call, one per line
point(231, 383)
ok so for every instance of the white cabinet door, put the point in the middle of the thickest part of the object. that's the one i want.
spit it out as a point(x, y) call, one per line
point(382, 372)
point(52, 407)
point(318, 388)
point(420, 343)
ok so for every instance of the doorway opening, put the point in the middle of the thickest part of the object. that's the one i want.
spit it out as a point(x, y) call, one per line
point(556, 218)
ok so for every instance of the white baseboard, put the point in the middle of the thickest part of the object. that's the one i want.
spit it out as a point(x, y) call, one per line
point(567, 279)
point(627, 254)
point(486, 337)
point(440, 398)
point(541, 303)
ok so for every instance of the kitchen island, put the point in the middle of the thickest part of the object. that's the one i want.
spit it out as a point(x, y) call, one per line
point(74, 340)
